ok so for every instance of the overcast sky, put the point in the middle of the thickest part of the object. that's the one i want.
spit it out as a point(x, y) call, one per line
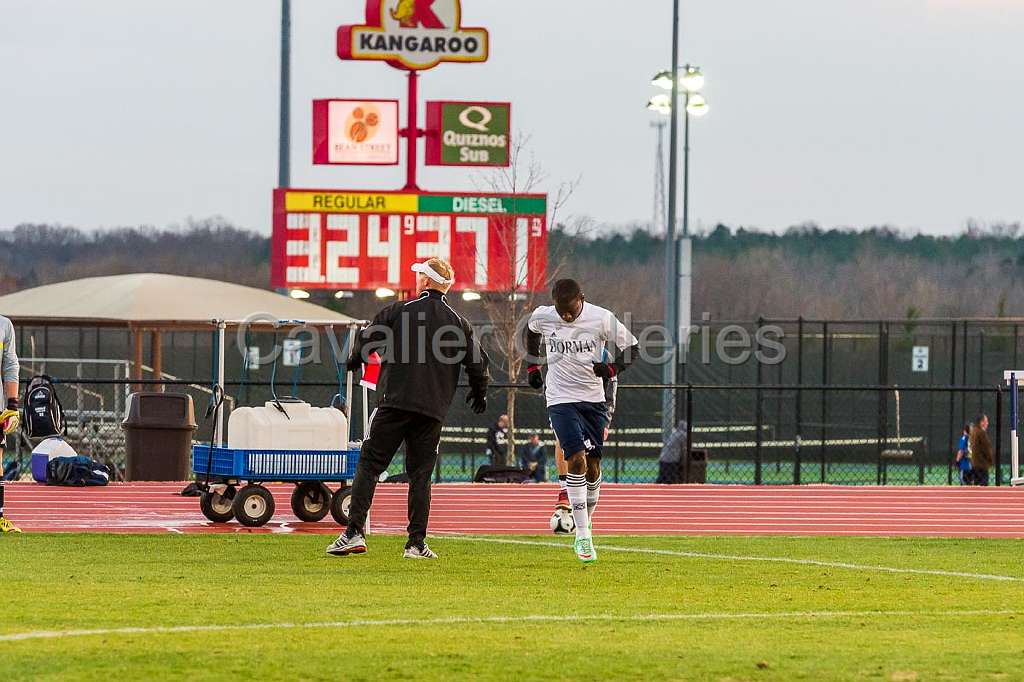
point(842, 112)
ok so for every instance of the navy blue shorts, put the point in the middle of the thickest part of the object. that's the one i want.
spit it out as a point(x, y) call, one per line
point(579, 426)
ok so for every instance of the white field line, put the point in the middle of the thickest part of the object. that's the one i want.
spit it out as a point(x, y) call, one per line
point(732, 557)
point(498, 620)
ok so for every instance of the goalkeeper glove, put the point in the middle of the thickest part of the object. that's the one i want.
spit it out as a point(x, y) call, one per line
point(536, 378)
point(10, 419)
point(477, 400)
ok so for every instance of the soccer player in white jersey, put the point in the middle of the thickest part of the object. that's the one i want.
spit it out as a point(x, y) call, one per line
point(574, 335)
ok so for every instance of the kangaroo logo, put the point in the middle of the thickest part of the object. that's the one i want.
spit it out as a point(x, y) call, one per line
point(413, 13)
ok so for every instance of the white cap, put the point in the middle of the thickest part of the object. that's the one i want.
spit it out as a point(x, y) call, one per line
point(425, 269)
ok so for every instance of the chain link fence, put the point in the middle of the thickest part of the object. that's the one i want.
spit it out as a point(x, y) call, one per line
point(746, 434)
point(822, 410)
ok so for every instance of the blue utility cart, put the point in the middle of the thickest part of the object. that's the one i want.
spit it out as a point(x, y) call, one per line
point(234, 479)
point(252, 505)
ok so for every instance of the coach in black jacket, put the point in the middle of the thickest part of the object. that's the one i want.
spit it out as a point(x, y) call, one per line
point(424, 345)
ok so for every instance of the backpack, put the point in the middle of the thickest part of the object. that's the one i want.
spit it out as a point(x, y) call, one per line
point(500, 474)
point(76, 471)
point(44, 415)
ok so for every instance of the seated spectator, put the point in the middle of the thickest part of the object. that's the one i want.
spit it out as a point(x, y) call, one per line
point(533, 459)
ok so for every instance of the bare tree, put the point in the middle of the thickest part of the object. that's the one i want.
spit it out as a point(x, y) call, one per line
point(508, 307)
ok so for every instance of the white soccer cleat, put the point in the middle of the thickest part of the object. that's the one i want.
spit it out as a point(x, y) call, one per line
point(348, 544)
point(585, 550)
point(419, 552)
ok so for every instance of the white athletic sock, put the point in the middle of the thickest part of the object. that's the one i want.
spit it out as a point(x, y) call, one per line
point(576, 487)
point(561, 483)
point(593, 495)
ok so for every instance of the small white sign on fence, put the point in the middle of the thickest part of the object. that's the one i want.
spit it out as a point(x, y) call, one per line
point(292, 352)
point(919, 362)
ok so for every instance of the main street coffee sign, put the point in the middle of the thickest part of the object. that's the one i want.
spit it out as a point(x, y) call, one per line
point(468, 133)
point(413, 35)
point(347, 131)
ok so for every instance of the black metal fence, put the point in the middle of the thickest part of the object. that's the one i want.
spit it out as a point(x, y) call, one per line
point(766, 433)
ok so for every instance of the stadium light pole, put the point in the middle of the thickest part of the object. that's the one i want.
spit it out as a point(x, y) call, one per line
point(678, 253)
point(694, 104)
point(668, 421)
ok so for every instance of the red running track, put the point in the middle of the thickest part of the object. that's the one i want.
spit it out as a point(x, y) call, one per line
point(525, 509)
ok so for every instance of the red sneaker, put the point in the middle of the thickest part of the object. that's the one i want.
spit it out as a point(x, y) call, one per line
point(563, 500)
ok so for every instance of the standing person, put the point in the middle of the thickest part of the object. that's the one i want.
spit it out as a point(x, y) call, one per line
point(575, 335)
point(415, 390)
point(497, 441)
point(611, 396)
point(963, 458)
point(981, 451)
point(672, 454)
point(533, 460)
point(10, 418)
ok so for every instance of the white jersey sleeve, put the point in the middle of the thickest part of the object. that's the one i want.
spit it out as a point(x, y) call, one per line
point(618, 333)
point(534, 324)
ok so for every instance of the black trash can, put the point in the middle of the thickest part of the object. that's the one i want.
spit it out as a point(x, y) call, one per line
point(158, 436)
point(697, 467)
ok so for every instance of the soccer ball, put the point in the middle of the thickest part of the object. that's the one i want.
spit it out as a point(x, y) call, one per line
point(562, 522)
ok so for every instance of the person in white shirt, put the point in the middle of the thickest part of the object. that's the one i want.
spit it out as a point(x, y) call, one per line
point(10, 417)
point(574, 335)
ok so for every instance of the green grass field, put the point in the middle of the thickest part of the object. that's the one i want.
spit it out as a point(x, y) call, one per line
point(491, 610)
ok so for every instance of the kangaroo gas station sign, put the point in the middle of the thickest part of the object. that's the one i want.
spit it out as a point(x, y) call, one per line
point(413, 35)
point(353, 239)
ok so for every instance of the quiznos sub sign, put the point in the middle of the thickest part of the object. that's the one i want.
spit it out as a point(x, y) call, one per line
point(468, 133)
point(413, 35)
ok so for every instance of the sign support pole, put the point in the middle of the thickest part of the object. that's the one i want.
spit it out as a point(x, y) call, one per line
point(411, 132)
point(1015, 477)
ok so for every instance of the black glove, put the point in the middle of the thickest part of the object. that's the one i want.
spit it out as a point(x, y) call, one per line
point(354, 363)
point(536, 378)
point(604, 370)
point(12, 403)
point(478, 401)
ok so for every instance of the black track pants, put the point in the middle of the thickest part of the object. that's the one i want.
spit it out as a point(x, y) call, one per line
point(389, 428)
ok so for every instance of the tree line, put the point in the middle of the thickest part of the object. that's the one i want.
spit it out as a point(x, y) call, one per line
point(739, 274)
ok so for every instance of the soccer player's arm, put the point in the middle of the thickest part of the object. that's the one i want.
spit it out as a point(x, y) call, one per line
point(533, 339)
point(533, 343)
point(371, 338)
point(626, 346)
point(476, 362)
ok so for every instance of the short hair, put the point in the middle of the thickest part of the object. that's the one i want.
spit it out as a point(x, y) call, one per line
point(565, 292)
point(442, 267)
point(967, 427)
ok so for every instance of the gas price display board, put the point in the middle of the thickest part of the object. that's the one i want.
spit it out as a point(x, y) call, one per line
point(330, 239)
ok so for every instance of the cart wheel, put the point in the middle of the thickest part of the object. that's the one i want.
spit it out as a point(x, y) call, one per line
point(253, 505)
point(341, 503)
point(311, 501)
point(217, 507)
